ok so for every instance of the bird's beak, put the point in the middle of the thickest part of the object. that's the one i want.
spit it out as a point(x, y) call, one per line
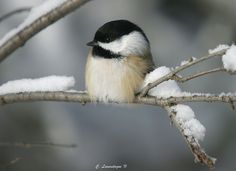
point(92, 43)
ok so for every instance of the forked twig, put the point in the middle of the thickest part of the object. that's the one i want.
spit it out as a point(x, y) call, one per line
point(178, 69)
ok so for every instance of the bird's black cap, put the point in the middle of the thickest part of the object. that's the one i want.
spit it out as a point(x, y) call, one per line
point(114, 30)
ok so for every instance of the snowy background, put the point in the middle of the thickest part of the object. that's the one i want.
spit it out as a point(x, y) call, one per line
point(139, 136)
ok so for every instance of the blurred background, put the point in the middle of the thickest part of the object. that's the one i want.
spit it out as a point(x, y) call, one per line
point(138, 136)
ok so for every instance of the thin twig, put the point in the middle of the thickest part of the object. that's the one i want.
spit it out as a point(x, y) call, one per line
point(20, 38)
point(184, 79)
point(17, 11)
point(199, 154)
point(36, 144)
point(178, 69)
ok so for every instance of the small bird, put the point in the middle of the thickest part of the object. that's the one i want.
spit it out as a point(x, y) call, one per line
point(118, 61)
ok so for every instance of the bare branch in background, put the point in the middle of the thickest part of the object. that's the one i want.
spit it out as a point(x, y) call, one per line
point(21, 37)
point(17, 11)
point(31, 145)
point(14, 161)
point(36, 144)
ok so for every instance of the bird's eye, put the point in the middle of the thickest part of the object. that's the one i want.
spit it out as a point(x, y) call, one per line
point(107, 39)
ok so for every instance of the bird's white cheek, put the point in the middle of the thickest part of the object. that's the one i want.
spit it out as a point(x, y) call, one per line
point(115, 47)
point(131, 44)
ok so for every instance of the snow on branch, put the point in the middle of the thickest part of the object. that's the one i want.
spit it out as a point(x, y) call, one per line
point(50, 83)
point(190, 125)
point(229, 59)
point(192, 131)
point(39, 18)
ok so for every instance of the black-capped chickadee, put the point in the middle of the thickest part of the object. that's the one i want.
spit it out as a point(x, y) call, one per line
point(118, 61)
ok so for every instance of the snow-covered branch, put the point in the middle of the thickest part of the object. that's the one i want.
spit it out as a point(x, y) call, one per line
point(228, 54)
point(39, 18)
point(191, 130)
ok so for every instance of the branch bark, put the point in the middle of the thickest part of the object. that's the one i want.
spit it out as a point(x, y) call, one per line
point(83, 98)
point(20, 38)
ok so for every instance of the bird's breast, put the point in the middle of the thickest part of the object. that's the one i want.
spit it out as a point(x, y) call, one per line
point(114, 79)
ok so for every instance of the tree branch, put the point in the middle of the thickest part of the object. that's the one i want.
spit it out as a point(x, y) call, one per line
point(21, 37)
point(17, 11)
point(199, 154)
point(80, 97)
point(178, 69)
point(83, 98)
